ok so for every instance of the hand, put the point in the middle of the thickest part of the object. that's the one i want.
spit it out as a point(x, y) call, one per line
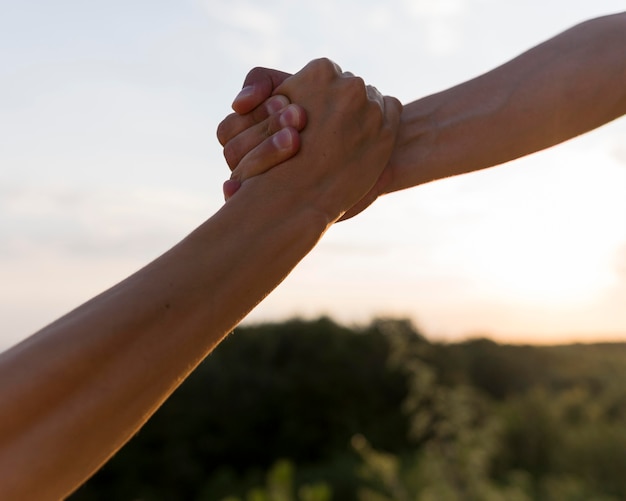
point(370, 197)
point(247, 129)
point(349, 137)
point(260, 140)
point(247, 134)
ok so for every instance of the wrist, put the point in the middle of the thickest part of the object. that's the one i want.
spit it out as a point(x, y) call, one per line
point(278, 204)
point(411, 162)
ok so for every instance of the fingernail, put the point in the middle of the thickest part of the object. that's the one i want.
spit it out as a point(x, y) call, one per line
point(244, 93)
point(276, 103)
point(282, 139)
point(288, 117)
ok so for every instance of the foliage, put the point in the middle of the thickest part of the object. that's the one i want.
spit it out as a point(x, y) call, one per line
point(279, 487)
point(379, 413)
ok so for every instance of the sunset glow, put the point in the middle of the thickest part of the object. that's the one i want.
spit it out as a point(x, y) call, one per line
point(109, 157)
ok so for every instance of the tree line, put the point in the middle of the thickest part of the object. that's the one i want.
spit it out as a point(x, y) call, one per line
point(311, 410)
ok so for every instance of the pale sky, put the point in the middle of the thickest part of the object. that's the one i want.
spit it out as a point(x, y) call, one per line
point(108, 157)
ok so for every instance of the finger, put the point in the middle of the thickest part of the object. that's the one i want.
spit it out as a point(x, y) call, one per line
point(274, 150)
point(392, 109)
point(234, 124)
point(292, 115)
point(370, 197)
point(315, 71)
point(230, 187)
point(259, 85)
point(360, 206)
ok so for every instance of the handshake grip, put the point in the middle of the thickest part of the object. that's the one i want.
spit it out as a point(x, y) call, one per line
point(322, 122)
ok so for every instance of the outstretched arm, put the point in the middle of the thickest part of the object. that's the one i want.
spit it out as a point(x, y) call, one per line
point(76, 391)
point(562, 88)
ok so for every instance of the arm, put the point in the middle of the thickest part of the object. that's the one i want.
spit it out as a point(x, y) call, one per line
point(76, 391)
point(562, 88)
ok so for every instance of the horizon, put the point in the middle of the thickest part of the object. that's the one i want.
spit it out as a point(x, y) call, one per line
point(109, 158)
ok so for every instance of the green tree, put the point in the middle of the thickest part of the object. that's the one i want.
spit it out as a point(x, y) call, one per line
point(280, 487)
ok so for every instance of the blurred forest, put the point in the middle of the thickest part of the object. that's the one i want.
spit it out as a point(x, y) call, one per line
point(317, 411)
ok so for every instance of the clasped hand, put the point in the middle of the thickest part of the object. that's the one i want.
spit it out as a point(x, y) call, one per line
point(342, 130)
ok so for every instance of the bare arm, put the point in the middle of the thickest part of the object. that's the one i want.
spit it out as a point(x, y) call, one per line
point(75, 392)
point(566, 86)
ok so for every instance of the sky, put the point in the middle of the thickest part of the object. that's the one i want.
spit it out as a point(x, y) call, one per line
point(108, 157)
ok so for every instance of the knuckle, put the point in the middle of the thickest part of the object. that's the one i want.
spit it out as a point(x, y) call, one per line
point(393, 104)
point(324, 68)
point(354, 91)
point(357, 85)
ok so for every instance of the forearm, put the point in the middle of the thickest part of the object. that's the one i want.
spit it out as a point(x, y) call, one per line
point(79, 389)
point(564, 87)
point(75, 392)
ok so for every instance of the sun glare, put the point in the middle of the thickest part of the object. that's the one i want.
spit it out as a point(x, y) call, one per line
point(547, 270)
point(556, 244)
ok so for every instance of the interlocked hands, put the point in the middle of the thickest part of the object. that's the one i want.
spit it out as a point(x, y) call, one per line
point(342, 131)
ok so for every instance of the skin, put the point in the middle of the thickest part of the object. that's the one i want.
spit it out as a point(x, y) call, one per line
point(76, 391)
point(564, 87)
point(279, 122)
